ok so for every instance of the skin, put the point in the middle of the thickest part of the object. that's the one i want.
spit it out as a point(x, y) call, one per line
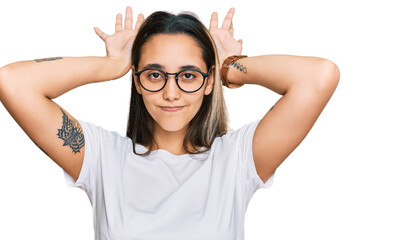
point(172, 51)
point(305, 83)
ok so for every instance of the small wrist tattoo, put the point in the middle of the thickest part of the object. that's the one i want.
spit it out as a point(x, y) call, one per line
point(239, 66)
point(48, 59)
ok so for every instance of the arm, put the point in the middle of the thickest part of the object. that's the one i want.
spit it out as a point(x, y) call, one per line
point(306, 83)
point(27, 87)
point(52, 77)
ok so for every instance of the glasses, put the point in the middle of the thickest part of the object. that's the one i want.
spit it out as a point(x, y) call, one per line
point(153, 80)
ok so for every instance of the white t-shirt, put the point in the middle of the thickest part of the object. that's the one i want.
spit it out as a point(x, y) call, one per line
point(165, 196)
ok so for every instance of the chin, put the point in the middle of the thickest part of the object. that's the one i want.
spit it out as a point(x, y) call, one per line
point(172, 126)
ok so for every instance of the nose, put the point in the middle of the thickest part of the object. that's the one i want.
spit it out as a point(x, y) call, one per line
point(171, 91)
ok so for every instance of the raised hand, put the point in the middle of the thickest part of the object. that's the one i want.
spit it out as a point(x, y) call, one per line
point(226, 44)
point(119, 44)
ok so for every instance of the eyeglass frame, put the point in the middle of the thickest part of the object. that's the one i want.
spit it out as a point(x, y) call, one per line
point(166, 74)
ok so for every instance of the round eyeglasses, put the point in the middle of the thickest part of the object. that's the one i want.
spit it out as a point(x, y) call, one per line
point(153, 80)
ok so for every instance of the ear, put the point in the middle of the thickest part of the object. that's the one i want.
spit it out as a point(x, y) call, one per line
point(137, 85)
point(211, 80)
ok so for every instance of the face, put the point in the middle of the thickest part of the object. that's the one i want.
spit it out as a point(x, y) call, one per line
point(171, 52)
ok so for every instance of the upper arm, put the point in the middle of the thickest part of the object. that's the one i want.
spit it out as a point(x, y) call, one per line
point(50, 127)
point(287, 123)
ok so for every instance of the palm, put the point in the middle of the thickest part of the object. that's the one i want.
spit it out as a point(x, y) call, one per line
point(226, 44)
point(119, 44)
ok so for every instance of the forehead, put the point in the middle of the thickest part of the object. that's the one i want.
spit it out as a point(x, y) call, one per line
point(172, 51)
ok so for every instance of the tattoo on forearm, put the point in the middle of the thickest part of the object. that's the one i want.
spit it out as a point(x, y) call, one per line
point(71, 135)
point(48, 59)
point(239, 66)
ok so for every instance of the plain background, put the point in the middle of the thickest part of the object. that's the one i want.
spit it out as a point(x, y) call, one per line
point(351, 178)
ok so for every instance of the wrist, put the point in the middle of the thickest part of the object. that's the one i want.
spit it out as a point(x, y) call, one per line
point(117, 67)
point(229, 71)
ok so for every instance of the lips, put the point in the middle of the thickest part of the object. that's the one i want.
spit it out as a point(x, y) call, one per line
point(172, 109)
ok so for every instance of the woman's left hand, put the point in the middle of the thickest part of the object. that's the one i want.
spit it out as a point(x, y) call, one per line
point(226, 44)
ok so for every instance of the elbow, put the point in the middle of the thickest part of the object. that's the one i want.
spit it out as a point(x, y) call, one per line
point(6, 86)
point(2, 78)
point(5, 73)
point(329, 75)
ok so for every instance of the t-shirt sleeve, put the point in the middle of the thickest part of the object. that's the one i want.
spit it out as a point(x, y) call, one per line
point(252, 180)
point(92, 141)
point(104, 158)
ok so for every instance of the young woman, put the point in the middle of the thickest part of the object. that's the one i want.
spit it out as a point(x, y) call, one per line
point(179, 173)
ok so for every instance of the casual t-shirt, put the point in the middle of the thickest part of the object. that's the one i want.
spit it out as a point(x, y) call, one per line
point(165, 196)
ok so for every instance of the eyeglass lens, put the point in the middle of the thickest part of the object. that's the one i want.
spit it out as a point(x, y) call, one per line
point(188, 80)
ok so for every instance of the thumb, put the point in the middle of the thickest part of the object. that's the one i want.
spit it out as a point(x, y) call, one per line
point(100, 33)
point(240, 41)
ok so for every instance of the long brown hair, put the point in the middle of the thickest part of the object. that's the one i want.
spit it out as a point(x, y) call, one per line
point(211, 120)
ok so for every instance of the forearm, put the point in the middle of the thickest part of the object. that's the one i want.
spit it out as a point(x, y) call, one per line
point(280, 73)
point(54, 77)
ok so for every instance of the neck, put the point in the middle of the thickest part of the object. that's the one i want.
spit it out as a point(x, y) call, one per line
point(170, 141)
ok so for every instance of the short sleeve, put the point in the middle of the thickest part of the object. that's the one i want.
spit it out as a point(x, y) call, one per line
point(246, 135)
point(92, 138)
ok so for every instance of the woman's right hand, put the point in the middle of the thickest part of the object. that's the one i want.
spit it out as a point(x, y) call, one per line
point(119, 44)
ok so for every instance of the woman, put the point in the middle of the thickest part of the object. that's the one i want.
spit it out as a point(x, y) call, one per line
point(179, 173)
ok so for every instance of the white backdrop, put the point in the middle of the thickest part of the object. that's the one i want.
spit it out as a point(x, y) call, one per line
point(351, 178)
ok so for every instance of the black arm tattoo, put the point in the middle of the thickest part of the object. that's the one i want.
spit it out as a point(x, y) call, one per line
point(239, 66)
point(71, 135)
point(48, 59)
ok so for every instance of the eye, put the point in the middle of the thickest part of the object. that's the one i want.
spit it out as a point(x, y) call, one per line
point(188, 75)
point(154, 75)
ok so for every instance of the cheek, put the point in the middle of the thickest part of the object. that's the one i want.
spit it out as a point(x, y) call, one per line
point(137, 85)
point(196, 105)
point(149, 105)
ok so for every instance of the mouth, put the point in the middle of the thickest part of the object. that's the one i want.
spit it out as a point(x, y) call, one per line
point(172, 109)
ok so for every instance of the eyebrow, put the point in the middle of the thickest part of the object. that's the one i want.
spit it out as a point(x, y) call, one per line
point(161, 67)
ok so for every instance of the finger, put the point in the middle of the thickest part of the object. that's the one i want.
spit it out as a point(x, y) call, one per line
point(100, 33)
point(118, 23)
point(140, 20)
point(213, 21)
point(128, 18)
point(231, 29)
point(240, 41)
point(228, 19)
